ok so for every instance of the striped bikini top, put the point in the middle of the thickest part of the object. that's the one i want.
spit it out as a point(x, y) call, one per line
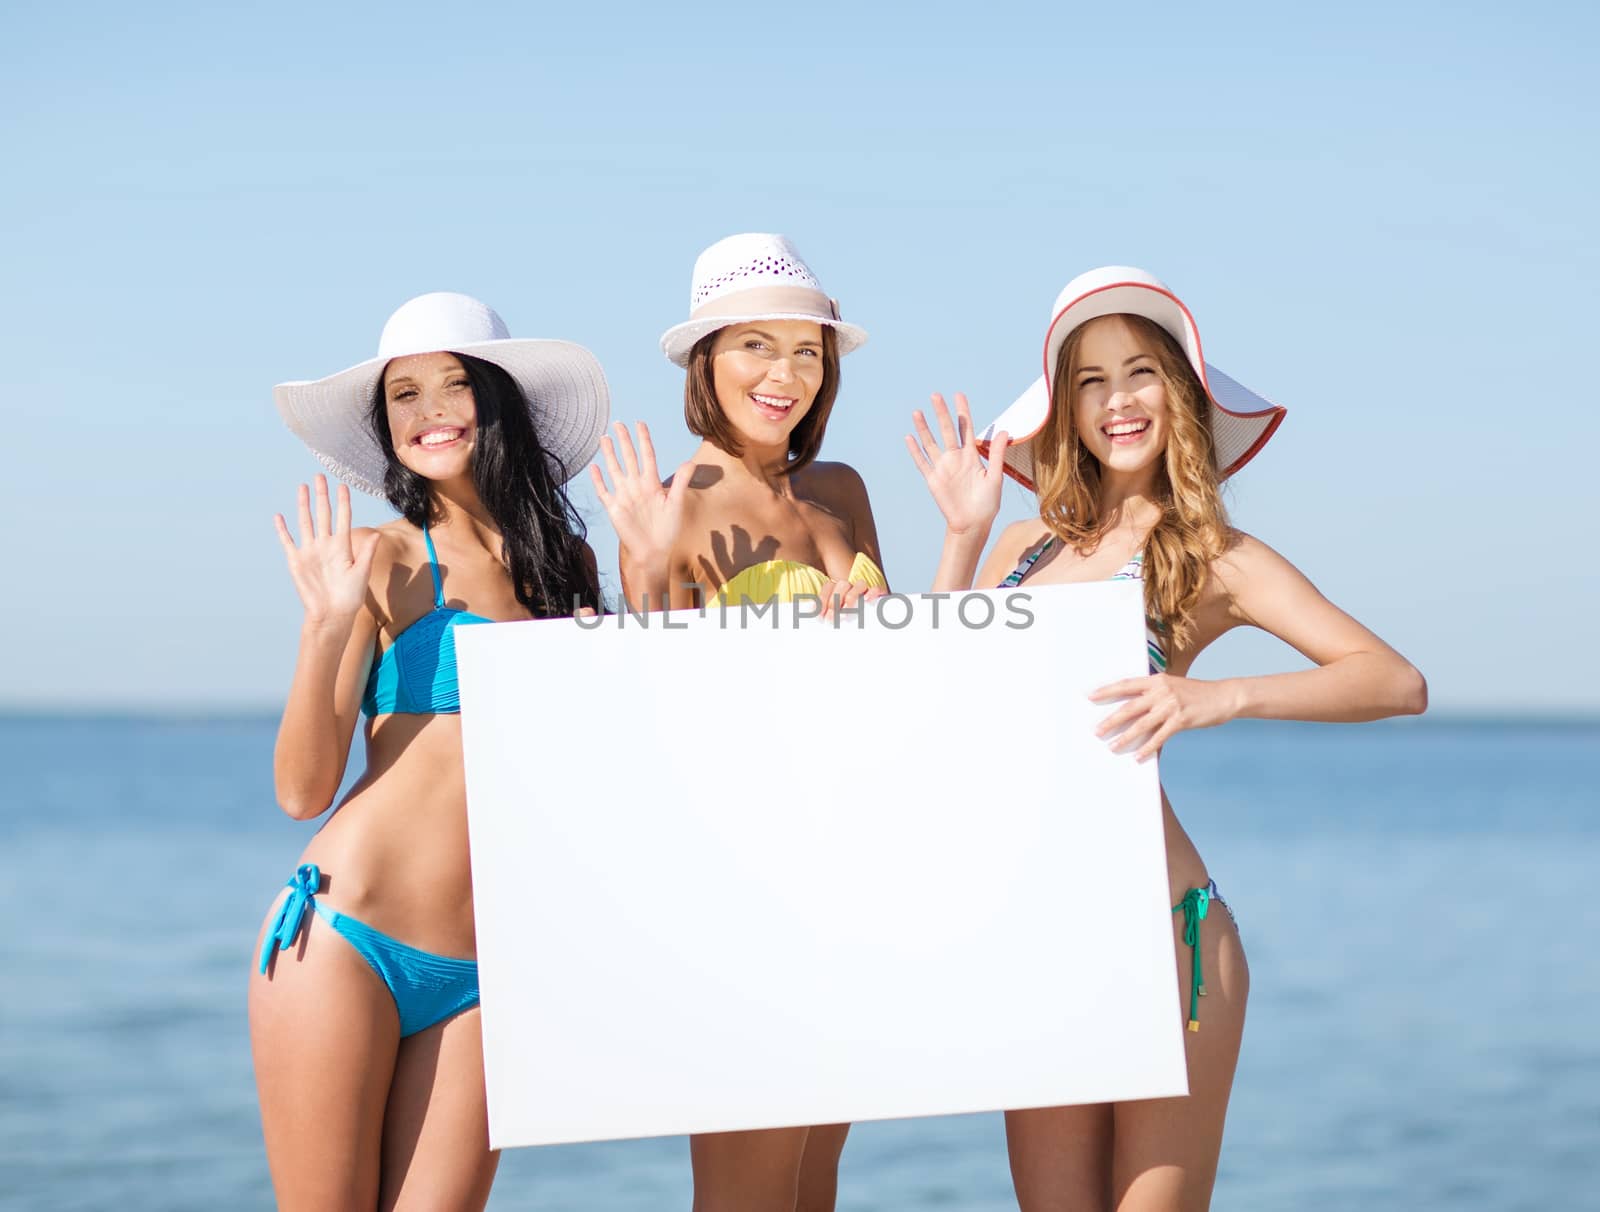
point(1133, 570)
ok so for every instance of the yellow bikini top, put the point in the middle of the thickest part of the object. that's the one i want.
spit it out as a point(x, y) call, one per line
point(785, 580)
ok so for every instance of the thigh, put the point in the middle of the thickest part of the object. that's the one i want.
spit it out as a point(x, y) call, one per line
point(436, 1134)
point(1165, 1150)
point(819, 1168)
point(323, 1033)
point(1060, 1158)
point(747, 1171)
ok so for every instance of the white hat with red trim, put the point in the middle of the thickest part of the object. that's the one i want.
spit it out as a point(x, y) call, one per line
point(1241, 421)
point(754, 276)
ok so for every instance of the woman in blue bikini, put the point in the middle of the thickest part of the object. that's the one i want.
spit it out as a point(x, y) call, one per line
point(363, 1018)
point(1126, 440)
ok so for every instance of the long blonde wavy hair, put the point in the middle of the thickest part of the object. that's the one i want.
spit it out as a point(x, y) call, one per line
point(1193, 527)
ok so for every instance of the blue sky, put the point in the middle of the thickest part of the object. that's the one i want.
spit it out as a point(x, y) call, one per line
point(1382, 217)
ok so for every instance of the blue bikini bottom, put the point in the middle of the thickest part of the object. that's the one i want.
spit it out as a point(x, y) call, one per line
point(426, 988)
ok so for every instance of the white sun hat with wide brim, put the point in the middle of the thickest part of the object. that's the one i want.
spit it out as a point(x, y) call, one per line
point(562, 383)
point(1241, 420)
point(750, 277)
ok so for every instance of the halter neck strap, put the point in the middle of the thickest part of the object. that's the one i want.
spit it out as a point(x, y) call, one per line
point(433, 565)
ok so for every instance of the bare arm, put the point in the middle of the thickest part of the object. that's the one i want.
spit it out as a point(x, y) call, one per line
point(646, 513)
point(331, 569)
point(319, 720)
point(966, 489)
point(646, 585)
point(1358, 677)
point(958, 563)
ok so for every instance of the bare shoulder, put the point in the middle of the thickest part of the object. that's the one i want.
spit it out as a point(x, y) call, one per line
point(1018, 538)
point(701, 495)
point(1007, 551)
point(837, 487)
point(399, 547)
point(396, 541)
point(1247, 558)
point(1250, 580)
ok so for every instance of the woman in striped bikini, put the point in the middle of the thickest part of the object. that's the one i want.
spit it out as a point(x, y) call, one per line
point(1126, 440)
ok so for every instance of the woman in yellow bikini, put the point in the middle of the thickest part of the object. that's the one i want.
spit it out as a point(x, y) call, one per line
point(1126, 441)
point(752, 516)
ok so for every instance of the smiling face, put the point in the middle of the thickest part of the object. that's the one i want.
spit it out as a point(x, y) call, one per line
point(1119, 396)
point(766, 375)
point(432, 415)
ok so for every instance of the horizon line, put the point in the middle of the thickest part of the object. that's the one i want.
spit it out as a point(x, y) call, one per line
point(264, 713)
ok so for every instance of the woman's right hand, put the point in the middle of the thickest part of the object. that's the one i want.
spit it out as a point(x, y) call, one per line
point(330, 572)
point(966, 491)
point(645, 514)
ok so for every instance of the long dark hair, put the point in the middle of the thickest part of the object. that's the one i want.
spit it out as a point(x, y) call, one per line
point(520, 484)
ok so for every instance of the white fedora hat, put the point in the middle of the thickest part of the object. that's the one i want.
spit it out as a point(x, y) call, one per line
point(562, 382)
point(755, 276)
point(1241, 421)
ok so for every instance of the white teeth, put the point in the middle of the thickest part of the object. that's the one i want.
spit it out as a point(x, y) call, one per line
point(1126, 427)
point(439, 436)
point(773, 401)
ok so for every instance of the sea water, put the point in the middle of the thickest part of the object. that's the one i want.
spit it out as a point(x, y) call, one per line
point(1417, 900)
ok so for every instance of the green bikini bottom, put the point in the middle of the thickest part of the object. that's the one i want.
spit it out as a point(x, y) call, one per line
point(1194, 906)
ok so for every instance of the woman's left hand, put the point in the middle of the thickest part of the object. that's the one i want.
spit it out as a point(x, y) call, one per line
point(1159, 706)
point(839, 596)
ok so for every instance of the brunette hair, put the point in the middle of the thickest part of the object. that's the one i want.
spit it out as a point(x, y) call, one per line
point(1193, 527)
point(521, 485)
point(705, 417)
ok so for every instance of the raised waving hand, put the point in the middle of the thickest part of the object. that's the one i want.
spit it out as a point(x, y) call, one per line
point(330, 571)
point(966, 491)
point(646, 515)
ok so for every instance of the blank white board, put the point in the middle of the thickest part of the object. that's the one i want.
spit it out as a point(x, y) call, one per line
point(761, 871)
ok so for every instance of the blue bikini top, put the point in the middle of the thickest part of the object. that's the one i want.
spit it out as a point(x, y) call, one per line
point(416, 675)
